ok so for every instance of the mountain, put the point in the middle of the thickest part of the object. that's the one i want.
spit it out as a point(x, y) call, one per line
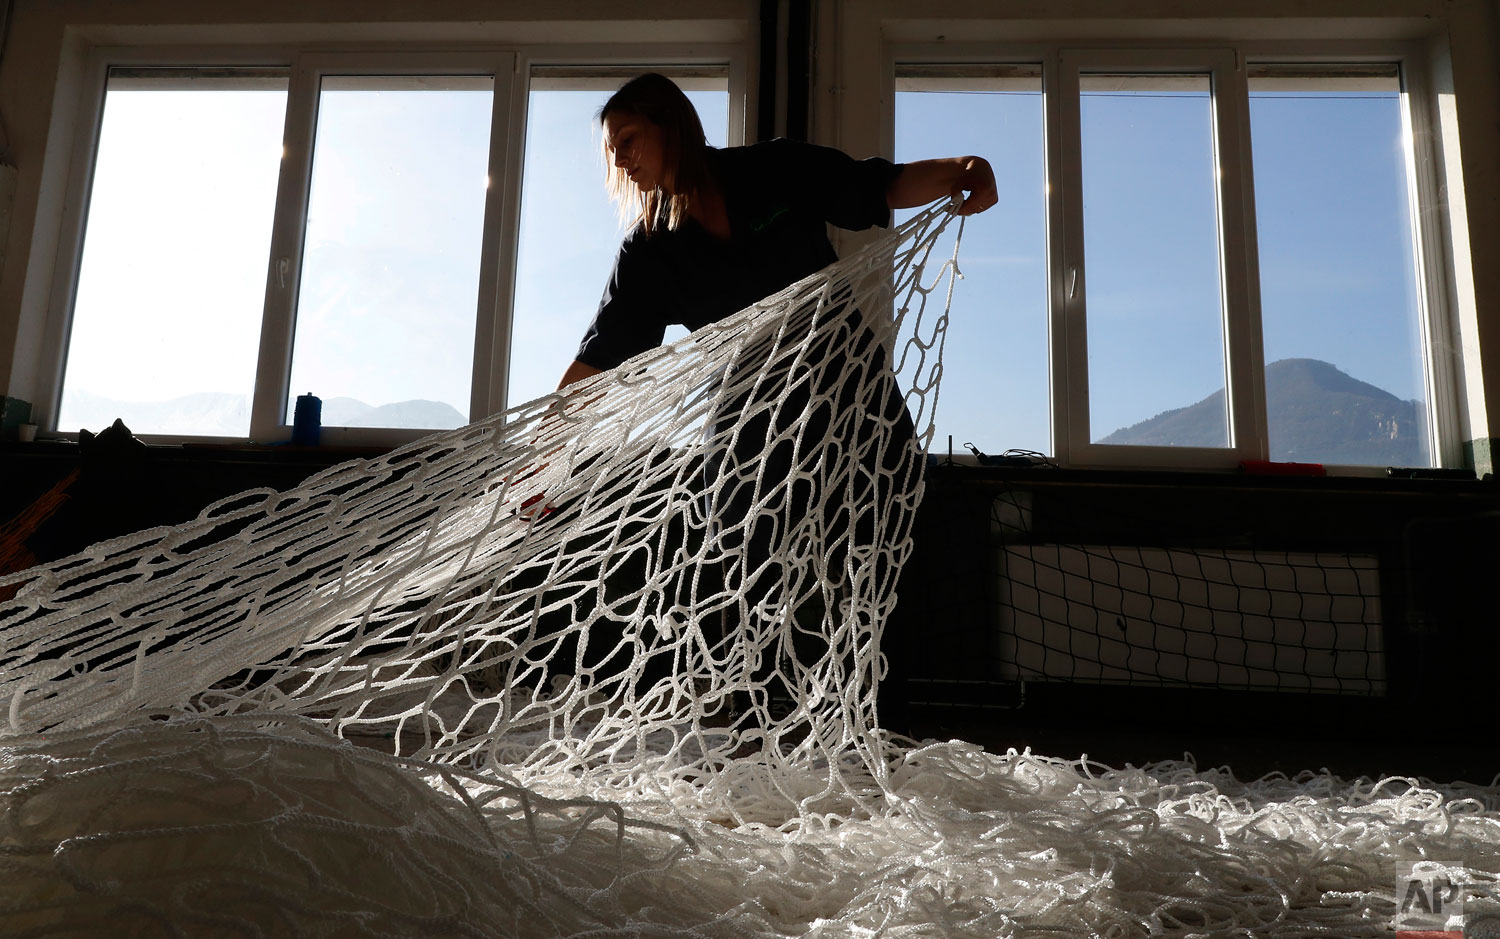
point(424, 415)
point(219, 414)
point(204, 414)
point(1317, 414)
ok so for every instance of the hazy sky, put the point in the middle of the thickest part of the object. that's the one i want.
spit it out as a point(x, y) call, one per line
point(171, 290)
point(173, 278)
point(390, 270)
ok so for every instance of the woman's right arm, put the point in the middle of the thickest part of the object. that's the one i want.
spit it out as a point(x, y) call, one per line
point(628, 320)
point(925, 180)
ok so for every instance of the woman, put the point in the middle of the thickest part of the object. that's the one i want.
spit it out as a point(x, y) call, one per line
point(714, 231)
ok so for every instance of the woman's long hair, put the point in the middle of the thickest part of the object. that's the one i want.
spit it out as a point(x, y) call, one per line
point(684, 152)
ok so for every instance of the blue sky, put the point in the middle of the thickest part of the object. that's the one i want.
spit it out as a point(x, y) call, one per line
point(390, 272)
point(994, 392)
point(1151, 253)
point(1337, 275)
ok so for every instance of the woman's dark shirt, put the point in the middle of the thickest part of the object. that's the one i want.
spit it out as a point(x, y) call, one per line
point(778, 196)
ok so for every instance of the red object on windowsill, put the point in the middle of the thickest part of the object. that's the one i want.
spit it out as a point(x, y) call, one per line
point(1270, 468)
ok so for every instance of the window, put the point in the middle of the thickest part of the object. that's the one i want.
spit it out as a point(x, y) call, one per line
point(1341, 299)
point(389, 280)
point(166, 316)
point(345, 225)
point(996, 347)
point(1151, 243)
point(1178, 331)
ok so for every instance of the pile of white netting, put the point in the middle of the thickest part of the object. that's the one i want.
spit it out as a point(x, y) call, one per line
point(605, 665)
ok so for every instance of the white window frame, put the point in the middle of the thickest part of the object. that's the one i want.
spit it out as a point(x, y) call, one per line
point(509, 65)
point(1239, 263)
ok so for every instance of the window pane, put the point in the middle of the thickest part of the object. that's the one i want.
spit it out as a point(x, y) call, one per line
point(1150, 214)
point(171, 285)
point(995, 390)
point(1340, 302)
point(569, 228)
point(390, 267)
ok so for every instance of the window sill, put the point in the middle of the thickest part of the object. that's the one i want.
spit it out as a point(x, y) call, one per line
point(957, 472)
point(16, 454)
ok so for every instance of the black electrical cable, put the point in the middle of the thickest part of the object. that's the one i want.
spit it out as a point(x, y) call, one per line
point(765, 125)
point(10, 13)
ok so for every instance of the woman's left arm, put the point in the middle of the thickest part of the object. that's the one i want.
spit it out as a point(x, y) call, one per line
point(927, 180)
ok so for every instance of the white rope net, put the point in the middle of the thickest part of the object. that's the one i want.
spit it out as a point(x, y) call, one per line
point(613, 655)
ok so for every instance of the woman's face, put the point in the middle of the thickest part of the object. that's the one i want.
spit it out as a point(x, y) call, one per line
point(636, 145)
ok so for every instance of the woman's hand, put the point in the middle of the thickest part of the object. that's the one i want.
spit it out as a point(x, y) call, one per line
point(550, 429)
point(978, 180)
point(924, 181)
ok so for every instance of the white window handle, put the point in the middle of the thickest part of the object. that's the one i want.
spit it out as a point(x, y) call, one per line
point(1072, 282)
point(282, 266)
